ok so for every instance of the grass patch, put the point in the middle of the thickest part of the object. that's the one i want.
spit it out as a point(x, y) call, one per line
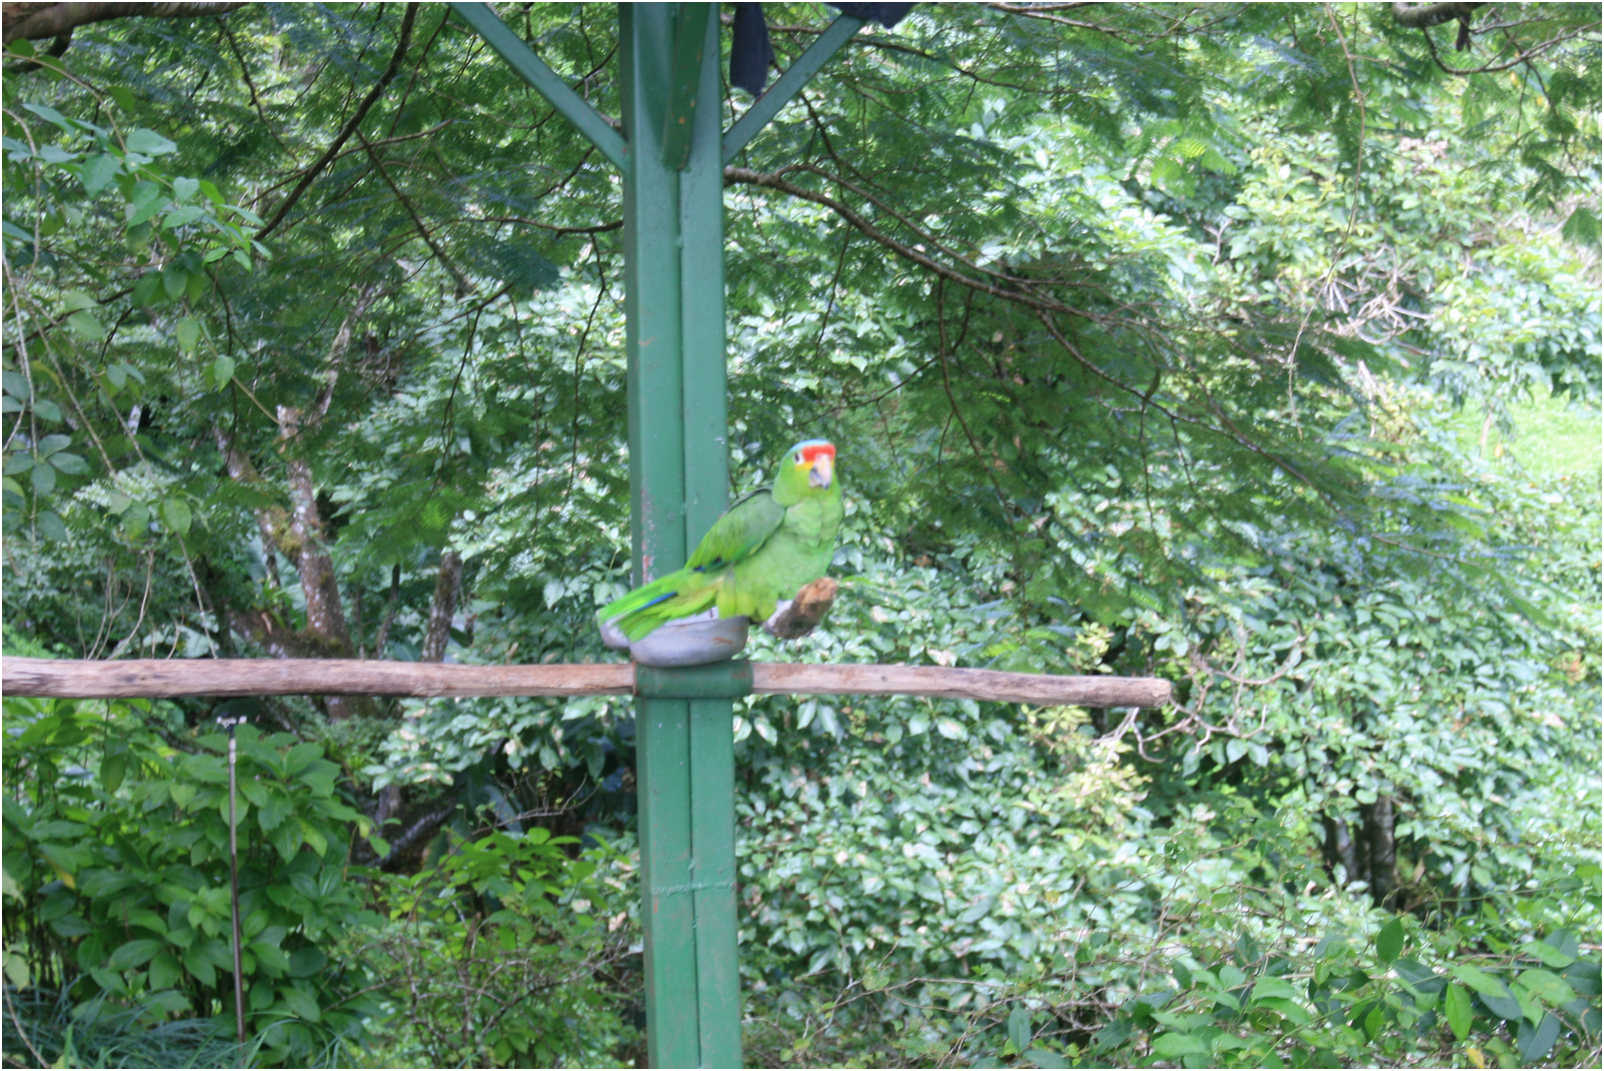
point(1553, 437)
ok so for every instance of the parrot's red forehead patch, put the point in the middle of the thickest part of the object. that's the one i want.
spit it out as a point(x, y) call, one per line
point(813, 451)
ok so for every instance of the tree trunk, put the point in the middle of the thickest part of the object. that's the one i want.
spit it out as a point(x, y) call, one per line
point(1340, 849)
point(1383, 850)
point(447, 586)
point(297, 534)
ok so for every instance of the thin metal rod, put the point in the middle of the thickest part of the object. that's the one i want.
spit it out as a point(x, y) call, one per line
point(233, 882)
point(532, 69)
point(789, 84)
point(169, 678)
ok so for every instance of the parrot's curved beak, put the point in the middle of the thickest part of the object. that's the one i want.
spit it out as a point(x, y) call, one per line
point(822, 472)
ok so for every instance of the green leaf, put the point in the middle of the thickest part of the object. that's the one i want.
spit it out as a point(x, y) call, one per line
point(149, 143)
point(1534, 1042)
point(187, 331)
point(273, 811)
point(315, 838)
point(178, 217)
point(1273, 987)
point(302, 1003)
point(97, 172)
point(307, 961)
point(1171, 1046)
point(222, 371)
point(199, 965)
point(51, 526)
point(270, 958)
point(1390, 941)
point(174, 280)
point(136, 521)
point(1479, 980)
point(1582, 227)
point(134, 953)
point(147, 291)
point(1494, 993)
point(69, 464)
point(87, 325)
point(1547, 986)
point(112, 769)
point(49, 114)
point(1019, 1032)
point(286, 839)
point(176, 515)
point(167, 1001)
point(164, 971)
point(1456, 1009)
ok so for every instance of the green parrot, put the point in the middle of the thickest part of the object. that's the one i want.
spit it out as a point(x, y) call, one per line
point(765, 547)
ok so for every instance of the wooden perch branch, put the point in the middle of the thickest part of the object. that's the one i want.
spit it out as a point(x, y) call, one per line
point(942, 682)
point(169, 678)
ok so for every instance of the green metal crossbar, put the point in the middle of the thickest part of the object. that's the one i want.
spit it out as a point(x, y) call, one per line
point(789, 84)
point(671, 155)
point(532, 69)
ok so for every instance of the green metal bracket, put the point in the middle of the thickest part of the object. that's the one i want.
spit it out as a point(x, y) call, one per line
point(691, 40)
point(721, 680)
point(789, 84)
point(545, 81)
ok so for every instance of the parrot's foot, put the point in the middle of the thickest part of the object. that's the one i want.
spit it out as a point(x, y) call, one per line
point(795, 618)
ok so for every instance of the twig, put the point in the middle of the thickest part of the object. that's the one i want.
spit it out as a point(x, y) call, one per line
point(350, 125)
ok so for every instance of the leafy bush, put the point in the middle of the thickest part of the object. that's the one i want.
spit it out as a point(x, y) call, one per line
point(117, 872)
point(506, 953)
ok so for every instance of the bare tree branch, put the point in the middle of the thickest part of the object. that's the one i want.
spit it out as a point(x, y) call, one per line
point(1423, 15)
point(350, 124)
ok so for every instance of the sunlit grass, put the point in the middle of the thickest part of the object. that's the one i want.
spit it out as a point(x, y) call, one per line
point(1552, 437)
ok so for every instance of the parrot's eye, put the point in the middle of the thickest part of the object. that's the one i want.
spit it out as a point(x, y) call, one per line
point(800, 460)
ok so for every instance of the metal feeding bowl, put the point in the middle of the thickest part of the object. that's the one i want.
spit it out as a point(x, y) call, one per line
point(690, 641)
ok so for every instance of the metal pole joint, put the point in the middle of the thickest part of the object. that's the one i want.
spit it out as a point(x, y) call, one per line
point(720, 680)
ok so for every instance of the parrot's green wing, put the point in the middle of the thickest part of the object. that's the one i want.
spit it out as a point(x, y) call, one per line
point(739, 533)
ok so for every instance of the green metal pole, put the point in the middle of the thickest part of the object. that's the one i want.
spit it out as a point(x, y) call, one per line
point(672, 154)
point(674, 304)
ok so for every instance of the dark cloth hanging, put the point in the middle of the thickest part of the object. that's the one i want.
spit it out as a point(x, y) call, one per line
point(751, 55)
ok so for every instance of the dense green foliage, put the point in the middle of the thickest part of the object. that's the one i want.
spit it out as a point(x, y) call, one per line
point(508, 953)
point(1252, 346)
point(117, 854)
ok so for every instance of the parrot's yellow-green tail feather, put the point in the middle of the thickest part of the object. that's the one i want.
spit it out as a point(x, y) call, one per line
point(662, 600)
